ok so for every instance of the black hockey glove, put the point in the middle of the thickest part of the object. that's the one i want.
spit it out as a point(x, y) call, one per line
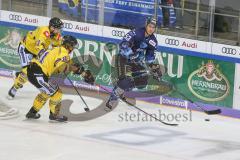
point(155, 71)
point(77, 69)
point(88, 77)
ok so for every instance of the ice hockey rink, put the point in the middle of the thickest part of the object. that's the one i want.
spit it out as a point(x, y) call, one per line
point(110, 137)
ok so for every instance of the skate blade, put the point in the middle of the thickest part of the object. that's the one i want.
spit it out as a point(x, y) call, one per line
point(31, 119)
point(55, 121)
point(107, 109)
point(9, 97)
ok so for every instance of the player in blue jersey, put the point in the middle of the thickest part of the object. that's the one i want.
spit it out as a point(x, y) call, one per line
point(136, 58)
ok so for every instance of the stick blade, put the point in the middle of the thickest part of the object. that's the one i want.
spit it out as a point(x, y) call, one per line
point(87, 109)
point(130, 104)
point(217, 111)
point(170, 124)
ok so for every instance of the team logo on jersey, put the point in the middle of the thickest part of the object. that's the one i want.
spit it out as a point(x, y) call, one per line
point(208, 83)
point(46, 33)
point(152, 43)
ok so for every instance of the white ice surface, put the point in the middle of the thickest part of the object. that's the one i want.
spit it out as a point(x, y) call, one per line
point(107, 137)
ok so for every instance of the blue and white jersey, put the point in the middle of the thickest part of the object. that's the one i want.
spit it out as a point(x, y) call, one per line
point(135, 46)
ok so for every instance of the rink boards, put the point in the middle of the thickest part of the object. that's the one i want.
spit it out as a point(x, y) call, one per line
point(184, 58)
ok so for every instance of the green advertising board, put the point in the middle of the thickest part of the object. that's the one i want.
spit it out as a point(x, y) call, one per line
point(202, 80)
point(9, 41)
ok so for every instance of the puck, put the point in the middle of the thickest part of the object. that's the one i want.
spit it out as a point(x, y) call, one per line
point(207, 119)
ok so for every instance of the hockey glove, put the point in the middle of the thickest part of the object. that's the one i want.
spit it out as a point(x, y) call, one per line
point(155, 71)
point(77, 69)
point(88, 77)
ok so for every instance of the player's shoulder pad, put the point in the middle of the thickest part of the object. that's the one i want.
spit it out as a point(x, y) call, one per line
point(65, 55)
point(132, 33)
point(45, 31)
point(129, 35)
point(140, 31)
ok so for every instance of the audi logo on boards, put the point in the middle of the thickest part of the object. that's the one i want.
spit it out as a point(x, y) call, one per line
point(68, 25)
point(227, 50)
point(15, 17)
point(117, 33)
point(173, 42)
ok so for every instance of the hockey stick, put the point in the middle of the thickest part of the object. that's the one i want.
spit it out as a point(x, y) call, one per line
point(209, 112)
point(130, 104)
point(86, 108)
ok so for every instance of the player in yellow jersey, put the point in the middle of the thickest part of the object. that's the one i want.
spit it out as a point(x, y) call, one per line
point(53, 62)
point(33, 45)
